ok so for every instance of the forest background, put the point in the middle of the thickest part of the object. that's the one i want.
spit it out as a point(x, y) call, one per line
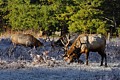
point(83, 16)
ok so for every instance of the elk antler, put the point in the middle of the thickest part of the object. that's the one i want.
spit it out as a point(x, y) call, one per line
point(66, 45)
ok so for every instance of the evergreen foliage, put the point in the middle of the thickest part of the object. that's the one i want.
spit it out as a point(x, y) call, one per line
point(83, 16)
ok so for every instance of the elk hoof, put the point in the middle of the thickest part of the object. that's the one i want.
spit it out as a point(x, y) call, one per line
point(106, 65)
point(81, 62)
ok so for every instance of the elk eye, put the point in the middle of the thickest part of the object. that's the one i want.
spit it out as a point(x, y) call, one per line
point(71, 54)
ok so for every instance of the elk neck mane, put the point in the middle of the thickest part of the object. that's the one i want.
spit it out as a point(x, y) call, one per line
point(72, 47)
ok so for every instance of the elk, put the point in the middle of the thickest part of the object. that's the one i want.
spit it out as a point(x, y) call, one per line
point(86, 43)
point(25, 40)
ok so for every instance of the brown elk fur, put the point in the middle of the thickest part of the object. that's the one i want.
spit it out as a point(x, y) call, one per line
point(26, 40)
point(84, 44)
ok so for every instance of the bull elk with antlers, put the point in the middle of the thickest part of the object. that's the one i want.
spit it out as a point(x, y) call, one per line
point(84, 44)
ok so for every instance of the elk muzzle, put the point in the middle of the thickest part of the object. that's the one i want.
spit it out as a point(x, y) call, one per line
point(71, 58)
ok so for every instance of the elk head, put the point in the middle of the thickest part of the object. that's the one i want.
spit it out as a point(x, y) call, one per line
point(73, 53)
point(66, 56)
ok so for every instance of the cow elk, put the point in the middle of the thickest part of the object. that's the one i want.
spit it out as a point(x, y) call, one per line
point(86, 43)
point(26, 40)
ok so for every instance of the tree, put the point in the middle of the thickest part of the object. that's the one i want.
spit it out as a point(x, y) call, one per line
point(83, 16)
point(111, 13)
point(88, 18)
point(21, 15)
point(24, 14)
point(3, 22)
point(65, 9)
point(47, 19)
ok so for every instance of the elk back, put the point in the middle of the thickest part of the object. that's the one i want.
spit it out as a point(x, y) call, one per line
point(26, 40)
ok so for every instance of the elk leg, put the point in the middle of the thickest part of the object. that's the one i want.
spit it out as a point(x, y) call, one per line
point(105, 60)
point(87, 55)
point(78, 60)
point(103, 55)
point(14, 45)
